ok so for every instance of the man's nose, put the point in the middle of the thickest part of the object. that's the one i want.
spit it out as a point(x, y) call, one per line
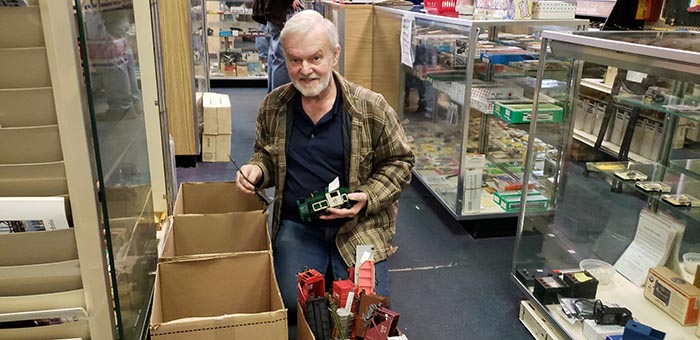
point(306, 68)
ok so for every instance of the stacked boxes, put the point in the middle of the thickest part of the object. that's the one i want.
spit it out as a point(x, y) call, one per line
point(216, 138)
point(215, 278)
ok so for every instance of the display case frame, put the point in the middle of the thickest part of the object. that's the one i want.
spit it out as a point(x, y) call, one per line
point(598, 214)
point(454, 196)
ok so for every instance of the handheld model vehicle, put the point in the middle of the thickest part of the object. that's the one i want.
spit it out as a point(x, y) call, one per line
point(310, 208)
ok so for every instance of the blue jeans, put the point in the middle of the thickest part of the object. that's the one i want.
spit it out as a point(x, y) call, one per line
point(298, 246)
point(277, 73)
point(262, 44)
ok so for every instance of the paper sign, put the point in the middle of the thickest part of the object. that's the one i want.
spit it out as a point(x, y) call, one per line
point(406, 48)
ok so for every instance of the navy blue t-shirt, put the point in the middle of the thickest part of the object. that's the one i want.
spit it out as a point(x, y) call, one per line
point(315, 157)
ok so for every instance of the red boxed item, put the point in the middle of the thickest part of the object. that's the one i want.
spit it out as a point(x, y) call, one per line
point(310, 284)
point(340, 291)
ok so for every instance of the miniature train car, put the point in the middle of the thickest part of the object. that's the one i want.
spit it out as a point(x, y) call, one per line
point(310, 208)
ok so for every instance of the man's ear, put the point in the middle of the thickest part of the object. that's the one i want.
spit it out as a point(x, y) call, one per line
point(336, 54)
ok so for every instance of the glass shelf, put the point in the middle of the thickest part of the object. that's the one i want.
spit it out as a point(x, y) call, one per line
point(678, 182)
point(638, 101)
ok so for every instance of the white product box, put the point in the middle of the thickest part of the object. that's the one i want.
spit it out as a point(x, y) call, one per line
point(593, 331)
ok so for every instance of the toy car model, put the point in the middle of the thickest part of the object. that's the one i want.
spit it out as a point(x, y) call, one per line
point(653, 186)
point(310, 208)
point(681, 200)
point(631, 175)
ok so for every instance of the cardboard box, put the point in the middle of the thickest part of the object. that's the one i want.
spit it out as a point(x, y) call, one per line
point(216, 148)
point(678, 298)
point(217, 113)
point(213, 198)
point(217, 233)
point(221, 297)
point(303, 330)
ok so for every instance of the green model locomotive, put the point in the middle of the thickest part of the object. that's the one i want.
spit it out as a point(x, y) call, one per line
point(310, 208)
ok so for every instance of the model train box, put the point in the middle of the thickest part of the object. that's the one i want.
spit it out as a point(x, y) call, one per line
point(517, 111)
point(675, 296)
point(510, 201)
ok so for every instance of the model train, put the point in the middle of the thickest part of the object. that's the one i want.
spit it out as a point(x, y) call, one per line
point(310, 208)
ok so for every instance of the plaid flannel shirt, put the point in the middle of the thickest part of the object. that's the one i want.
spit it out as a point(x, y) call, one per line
point(380, 162)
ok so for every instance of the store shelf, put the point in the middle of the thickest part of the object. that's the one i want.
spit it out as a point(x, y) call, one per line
point(624, 293)
point(607, 147)
point(638, 101)
point(238, 78)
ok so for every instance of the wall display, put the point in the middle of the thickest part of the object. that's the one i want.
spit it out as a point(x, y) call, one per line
point(236, 44)
point(628, 199)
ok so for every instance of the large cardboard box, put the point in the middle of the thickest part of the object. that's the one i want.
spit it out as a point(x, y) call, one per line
point(217, 233)
point(217, 113)
point(213, 198)
point(231, 297)
point(216, 148)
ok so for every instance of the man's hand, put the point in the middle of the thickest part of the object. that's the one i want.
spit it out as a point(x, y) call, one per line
point(360, 199)
point(248, 172)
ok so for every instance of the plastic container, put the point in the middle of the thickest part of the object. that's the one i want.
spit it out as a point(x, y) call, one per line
point(601, 270)
point(691, 262)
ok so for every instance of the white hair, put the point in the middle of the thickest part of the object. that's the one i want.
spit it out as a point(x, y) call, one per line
point(305, 22)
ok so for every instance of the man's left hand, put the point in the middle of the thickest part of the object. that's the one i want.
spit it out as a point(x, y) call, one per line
point(360, 199)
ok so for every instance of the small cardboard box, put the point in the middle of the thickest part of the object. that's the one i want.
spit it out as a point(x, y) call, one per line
point(213, 198)
point(678, 298)
point(216, 148)
point(217, 113)
point(221, 297)
point(217, 233)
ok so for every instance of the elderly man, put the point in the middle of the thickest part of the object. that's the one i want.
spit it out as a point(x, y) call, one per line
point(318, 128)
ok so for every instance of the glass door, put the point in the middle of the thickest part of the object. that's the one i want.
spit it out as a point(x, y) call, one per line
point(111, 71)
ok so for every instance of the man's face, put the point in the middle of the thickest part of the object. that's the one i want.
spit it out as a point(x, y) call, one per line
point(310, 61)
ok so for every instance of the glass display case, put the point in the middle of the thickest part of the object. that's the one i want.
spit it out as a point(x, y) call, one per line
point(111, 66)
point(233, 41)
point(464, 101)
point(635, 213)
point(75, 93)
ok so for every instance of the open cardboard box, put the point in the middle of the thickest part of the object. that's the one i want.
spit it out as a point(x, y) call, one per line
point(213, 198)
point(217, 233)
point(303, 330)
point(233, 296)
